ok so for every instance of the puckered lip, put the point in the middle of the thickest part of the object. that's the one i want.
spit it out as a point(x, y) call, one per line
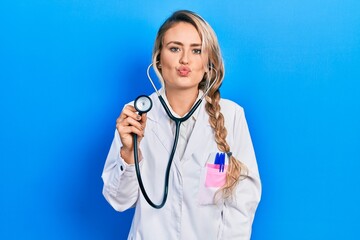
point(183, 70)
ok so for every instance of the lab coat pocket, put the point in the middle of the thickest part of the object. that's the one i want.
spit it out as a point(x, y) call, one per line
point(211, 180)
point(214, 177)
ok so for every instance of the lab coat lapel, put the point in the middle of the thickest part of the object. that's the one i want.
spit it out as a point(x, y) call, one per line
point(161, 128)
point(160, 124)
point(163, 133)
point(201, 134)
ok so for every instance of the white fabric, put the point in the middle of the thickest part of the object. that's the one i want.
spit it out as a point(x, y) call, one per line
point(186, 127)
point(190, 211)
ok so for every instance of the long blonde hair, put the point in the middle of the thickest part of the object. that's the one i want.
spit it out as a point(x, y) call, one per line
point(210, 44)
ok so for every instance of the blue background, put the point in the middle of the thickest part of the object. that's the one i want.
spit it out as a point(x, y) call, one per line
point(67, 68)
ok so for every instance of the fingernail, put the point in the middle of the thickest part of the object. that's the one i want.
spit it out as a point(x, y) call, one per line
point(138, 117)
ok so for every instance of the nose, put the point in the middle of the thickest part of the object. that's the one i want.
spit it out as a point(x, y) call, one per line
point(184, 59)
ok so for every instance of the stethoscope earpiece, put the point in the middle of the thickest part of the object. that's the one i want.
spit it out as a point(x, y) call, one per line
point(211, 66)
point(142, 104)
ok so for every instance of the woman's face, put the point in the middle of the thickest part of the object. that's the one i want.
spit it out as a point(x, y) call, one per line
point(182, 63)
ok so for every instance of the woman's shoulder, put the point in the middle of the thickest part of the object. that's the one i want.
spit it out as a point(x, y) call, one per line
point(231, 107)
point(233, 113)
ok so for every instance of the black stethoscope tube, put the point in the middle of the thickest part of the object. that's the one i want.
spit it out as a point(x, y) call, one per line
point(178, 122)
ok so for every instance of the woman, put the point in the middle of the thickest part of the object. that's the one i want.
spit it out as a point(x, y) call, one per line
point(205, 200)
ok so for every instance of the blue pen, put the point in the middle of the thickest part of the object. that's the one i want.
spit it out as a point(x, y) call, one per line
point(217, 159)
point(222, 162)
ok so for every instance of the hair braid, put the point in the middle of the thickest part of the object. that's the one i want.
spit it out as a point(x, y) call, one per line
point(236, 169)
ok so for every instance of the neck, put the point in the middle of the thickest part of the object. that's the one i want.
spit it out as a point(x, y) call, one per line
point(181, 101)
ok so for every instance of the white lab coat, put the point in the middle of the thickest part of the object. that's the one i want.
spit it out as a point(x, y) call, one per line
point(190, 212)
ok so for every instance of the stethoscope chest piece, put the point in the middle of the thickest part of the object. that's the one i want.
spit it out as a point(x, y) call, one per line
point(142, 104)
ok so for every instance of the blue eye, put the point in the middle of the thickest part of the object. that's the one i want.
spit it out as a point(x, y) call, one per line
point(197, 51)
point(174, 49)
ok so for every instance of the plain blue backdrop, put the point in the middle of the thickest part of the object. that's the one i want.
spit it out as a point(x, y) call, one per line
point(67, 68)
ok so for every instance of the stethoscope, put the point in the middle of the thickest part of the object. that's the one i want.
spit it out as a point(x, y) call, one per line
point(143, 104)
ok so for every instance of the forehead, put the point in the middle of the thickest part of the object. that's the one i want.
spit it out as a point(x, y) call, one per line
point(182, 32)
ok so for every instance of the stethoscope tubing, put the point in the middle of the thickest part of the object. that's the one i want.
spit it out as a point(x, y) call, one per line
point(167, 172)
point(178, 122)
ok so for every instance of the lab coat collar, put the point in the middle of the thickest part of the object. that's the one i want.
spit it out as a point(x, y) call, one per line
point(195, 114)
point(162, 129)
point(157, 113)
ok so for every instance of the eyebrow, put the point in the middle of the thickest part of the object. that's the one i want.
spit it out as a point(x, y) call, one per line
point(181, 44)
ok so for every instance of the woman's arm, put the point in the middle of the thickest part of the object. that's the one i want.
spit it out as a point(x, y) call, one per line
point(239, 212)
point(120, 183)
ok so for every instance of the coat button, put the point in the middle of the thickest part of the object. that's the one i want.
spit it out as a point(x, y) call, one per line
point(121, 168)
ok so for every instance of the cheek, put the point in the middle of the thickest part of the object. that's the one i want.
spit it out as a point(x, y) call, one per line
point(203, 63)
point(166, 60)
point(201, 67)
point(165, 69)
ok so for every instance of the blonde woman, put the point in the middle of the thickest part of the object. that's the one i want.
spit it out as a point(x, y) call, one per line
point(205, 200)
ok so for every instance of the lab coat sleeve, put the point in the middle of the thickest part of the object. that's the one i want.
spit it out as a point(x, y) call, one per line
point(120, 183)
point(238, 213)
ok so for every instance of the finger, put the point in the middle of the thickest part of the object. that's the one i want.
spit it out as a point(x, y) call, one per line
point(131, 112)
point(128, 111)
point(143, 120)
point(124, 130)
point(143, 117)
point(131, 122)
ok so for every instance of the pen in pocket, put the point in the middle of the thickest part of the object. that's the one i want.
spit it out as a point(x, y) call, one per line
point(220, 160)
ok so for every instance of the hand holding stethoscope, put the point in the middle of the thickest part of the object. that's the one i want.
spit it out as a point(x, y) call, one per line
point(128, 123)
point(131, 127)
